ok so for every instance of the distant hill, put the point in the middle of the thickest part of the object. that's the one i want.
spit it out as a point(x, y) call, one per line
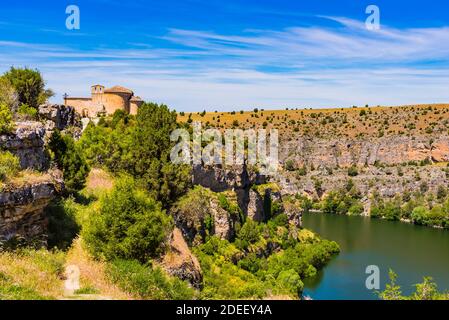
point(332, 123)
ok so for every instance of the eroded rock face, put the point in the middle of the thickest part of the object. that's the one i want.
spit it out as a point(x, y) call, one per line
point(224, 223)
point(346, 152)
point(27, 142)
point(241, 181)
point(58, 116)
point(22, 210)
point(219, 178)
point(180, 262)
point(200, 214)
point(255, 209)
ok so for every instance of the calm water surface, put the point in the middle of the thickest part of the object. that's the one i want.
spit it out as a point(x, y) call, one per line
point(411, 251)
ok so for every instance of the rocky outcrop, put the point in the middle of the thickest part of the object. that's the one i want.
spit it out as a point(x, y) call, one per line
point(180, 262)
point(391, 150)
point(225, 197)
point(221, 178)
point(27, 142)
point(200, 213)
point(255, 209)
point(60, 117)
point(223, 221)
point(22, 209)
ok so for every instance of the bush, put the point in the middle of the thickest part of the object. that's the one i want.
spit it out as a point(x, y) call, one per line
point(145, 282)
point(62, 224)
point(8, 94)
point(6, 123)
point(69, 158)
point(9, 165)
point(248, 234)
point(29, 85)
point(128, 225)
point(290, 280)
point(27, 112)
point(352, 171)
point(290, 165)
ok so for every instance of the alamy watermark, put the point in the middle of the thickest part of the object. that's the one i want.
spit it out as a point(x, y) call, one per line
point(73, 21)
point(373, 21)
point(372, 282)
point(228, 147)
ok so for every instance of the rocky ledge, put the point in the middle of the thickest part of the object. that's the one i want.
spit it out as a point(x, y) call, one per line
point(22, 209)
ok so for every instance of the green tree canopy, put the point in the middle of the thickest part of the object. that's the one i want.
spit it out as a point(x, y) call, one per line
point(130, 224)
point(29, 85)
point(69, 158)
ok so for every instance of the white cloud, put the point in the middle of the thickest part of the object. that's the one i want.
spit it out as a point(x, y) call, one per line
point(299, 66)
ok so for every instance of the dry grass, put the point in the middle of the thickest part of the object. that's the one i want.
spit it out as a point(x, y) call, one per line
point(25, 178)
point(350, 122)
point(99, 179)
point(40, 271)
point(93, 273)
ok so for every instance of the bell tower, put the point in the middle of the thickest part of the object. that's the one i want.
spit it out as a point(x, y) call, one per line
point(97, 94)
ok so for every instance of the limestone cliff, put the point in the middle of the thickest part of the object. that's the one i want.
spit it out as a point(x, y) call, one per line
point(180, 262)
point(22, 208)
point(223, 198)
point(344, 152)
point(27, 142)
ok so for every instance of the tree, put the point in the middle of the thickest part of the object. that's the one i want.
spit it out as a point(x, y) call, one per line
point(151, 154)
point(392, 290)
point(29, 85)
point(70, 160)
point(130, 224)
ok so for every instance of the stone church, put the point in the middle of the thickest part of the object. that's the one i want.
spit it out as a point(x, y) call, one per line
point(105, 101)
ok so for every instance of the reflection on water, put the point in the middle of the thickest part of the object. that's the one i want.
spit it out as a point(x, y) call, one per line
point(411, 251)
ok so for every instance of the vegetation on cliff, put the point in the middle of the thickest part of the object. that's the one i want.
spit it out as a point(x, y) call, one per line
point(426, 209)
point(251, 267)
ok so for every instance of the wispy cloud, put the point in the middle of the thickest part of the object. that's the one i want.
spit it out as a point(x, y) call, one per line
point(299, 66)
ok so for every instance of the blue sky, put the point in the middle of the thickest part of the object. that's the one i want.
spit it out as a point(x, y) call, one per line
point(232, 55)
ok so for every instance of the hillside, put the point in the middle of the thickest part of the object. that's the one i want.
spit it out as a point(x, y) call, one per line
point(379, 161)
point(334, 123)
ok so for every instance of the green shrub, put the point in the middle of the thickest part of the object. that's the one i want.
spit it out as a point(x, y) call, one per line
point(62, 224)
point(27, 112)
point(145, 282)
point(248, 234)
point(6, 123)
point(290, 165)
point(352, 171)
point(290, 280)
point(9, 165)
point(129, 224)
point(69, 158)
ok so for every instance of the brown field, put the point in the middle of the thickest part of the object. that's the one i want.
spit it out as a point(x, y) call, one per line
point(345, 122)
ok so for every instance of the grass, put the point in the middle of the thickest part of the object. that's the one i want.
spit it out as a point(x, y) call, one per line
point(31, 274)
point(93, 273)
point(344, 122)
point(24, 178)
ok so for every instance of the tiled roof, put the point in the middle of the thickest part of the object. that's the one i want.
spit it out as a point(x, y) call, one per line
point(118, 89)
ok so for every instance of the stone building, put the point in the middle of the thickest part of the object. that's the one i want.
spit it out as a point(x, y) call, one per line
point(105, 101)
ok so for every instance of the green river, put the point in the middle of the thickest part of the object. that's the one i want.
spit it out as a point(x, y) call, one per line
point(411, 251)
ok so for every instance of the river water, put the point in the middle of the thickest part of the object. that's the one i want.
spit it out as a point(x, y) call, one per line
point(411, 251)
